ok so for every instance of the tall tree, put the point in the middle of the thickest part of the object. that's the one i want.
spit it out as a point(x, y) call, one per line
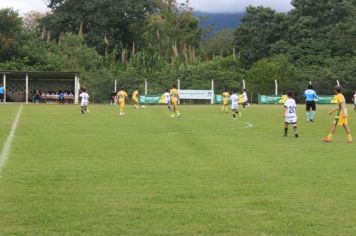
point(260, 29)
point(10, 31)
point(105, 23)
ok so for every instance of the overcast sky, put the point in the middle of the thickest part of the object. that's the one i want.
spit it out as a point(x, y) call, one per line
point(202, 5)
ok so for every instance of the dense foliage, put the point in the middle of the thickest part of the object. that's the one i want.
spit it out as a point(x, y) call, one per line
point(161, 41)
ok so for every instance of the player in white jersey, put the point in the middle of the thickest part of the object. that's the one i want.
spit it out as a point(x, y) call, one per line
point(354, 99)
point(244, 99)
point(235, 104)
point(167, 99)
point(84, 100)
point(290, 115)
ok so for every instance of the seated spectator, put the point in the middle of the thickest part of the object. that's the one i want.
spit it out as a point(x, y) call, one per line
point(71, 97)
point(66, 97)
point(43, 97)
point(36, 98)
point(61, 97)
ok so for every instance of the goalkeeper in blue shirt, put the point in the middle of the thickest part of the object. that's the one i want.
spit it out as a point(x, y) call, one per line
point(310, 98)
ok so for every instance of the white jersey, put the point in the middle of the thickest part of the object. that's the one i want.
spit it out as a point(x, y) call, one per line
point(291, 111)
point(234, 101)
point(245, 98)
point(85, 99)
point(167, 97)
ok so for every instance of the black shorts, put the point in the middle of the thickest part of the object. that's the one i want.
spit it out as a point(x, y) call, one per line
point(311, 104)
point(2, 97)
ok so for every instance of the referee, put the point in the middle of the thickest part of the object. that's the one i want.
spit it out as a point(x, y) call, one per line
point(310, 98)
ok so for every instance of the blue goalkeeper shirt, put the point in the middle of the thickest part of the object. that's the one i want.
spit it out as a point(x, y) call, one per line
point(310, 95)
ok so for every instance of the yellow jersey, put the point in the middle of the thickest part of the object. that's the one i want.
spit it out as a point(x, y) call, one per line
point(122, 95)
point(225, 97)
point(341, 100)
point(174, 95)
point(135, 95)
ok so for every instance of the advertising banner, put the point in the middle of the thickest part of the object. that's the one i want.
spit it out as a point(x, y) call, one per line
point(323, 99)
point(196, 94)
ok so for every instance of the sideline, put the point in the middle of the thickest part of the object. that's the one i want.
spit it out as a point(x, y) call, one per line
point(7, 146)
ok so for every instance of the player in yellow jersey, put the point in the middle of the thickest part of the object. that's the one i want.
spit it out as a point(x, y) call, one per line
point(340, 118)
point(135, 99)
point(121, 97)
point(225, 97)
point(174, 101)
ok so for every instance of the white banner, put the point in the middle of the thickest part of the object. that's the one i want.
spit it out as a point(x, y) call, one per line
point(196, 94)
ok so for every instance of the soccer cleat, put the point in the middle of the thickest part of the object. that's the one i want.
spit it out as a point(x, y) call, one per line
point(172, 116)
point(296, 135)
point(349, 141)
point(179, 115)
point(326, 139)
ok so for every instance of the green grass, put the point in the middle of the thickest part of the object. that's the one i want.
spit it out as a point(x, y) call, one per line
point(148, 174)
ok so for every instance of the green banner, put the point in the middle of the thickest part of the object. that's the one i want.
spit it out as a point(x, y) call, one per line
point(151, 99)
point(326, 99)
point(264, 99)
point(323, 99)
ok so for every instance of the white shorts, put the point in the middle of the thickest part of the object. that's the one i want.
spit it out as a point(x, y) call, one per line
point(234, 106)
point(291, 120)
point(168, 102)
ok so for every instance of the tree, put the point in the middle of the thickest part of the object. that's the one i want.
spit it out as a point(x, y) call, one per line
point(10, 31)
point(174, 33)
point(221, 43)
point(260, 29)
point(31, 20)
point(104, 24)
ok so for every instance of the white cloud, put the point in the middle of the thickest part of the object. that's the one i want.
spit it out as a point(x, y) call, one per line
point(24, 6)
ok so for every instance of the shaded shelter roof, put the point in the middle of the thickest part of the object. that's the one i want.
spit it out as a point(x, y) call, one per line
point(40, 75)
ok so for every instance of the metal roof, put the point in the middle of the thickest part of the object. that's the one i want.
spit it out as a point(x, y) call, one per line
point(40, 75)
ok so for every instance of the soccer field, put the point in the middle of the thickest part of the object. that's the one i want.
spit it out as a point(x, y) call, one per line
point(149, 174)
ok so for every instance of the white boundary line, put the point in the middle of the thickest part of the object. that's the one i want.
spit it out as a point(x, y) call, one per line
point(6, 149)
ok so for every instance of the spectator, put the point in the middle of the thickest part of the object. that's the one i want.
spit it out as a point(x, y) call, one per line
point(2, 93)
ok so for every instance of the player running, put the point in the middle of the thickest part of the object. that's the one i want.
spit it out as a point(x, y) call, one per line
point(84, 100)
point(122, 96)
point(234, 104)
point(174, 101)
point(225, 97)
point(340, 118)
point(167, 99)
point(290, 115)
point(354, 100)
point(244, 99)
point(135, 99)
point(310, 97)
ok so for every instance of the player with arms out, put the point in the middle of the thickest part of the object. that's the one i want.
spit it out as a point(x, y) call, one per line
point(167, 99)
point(354, 100)
point(310, 97)
point(135, 99)
point(234, 105)
point(225, 97)
point(84, 100)
point(174, 101)
point(340, 118)
point(122, 96)
point(290, 115)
